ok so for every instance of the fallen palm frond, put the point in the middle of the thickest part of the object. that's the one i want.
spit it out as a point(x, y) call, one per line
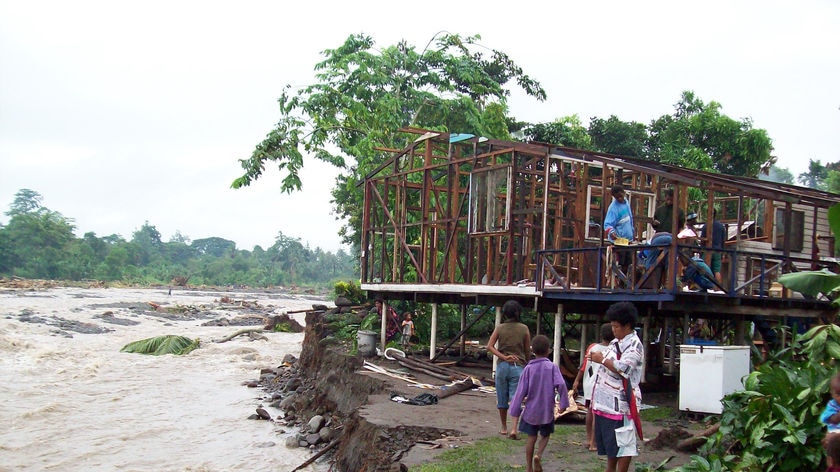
point(168, 344)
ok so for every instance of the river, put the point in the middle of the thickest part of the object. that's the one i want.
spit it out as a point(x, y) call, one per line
point(71, 401)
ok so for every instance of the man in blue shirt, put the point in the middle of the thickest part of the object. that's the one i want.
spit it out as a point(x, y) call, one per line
point(618, 223)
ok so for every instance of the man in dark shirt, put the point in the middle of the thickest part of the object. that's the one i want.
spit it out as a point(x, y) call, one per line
point(663, 215)
point(719, 235)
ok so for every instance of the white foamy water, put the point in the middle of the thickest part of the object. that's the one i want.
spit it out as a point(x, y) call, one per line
point(79, 404)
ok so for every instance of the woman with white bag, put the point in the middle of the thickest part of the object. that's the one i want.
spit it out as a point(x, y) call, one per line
point(616, 393)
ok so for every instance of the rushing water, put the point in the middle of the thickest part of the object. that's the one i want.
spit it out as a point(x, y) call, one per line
point(74, 402)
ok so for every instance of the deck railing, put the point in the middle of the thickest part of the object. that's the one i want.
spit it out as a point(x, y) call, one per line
point(651, 269)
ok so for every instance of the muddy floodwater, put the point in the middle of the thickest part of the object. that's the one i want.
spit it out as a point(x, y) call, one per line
point(71, 401)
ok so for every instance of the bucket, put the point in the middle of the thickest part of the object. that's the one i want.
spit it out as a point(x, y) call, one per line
point(366, 341)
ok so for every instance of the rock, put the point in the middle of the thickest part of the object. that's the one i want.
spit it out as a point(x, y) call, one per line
point(326, 434)
point(292, 385)
point(319, 307)
point(265, 444)
point(292, 442)
point(315, 423)
point(289, 359)
point(288, 403)
point(343, 301)
point(252, 384)
point(313, 438)
point(263, 414)
point(267, 377)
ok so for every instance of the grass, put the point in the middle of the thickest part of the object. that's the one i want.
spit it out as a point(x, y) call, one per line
point(657, 413)
point(504, 455)
point(484, 455)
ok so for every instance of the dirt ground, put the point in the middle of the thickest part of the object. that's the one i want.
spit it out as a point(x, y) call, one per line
point(472, 415)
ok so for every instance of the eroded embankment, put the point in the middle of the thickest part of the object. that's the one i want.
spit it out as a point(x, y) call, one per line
point(325, 381)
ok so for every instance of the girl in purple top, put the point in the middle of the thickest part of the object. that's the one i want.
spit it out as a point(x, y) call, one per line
point(540, 382)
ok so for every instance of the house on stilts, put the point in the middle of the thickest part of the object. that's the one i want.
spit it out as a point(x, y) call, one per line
point(459, 219)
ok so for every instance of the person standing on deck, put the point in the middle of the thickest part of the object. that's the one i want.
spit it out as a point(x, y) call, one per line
point(618, 223)
point(664, 214)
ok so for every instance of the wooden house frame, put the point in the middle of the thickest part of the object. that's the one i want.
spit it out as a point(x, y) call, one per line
point(468, 220)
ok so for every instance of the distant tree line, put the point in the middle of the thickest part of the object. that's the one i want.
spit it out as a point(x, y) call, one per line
point(40, 243)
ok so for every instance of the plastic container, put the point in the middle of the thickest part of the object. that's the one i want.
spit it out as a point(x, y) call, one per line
point(366, 343)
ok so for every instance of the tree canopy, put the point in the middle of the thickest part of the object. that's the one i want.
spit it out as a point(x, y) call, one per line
point(362, 96)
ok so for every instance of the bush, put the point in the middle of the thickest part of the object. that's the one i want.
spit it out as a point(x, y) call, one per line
point(773, 424)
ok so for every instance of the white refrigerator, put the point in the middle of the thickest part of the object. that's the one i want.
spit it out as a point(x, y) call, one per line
point(708, 373)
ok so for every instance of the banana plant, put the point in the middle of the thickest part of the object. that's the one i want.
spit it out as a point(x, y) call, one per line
point(815, 283)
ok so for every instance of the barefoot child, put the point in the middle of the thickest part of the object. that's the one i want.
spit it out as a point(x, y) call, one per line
point(540, 382)
point(407, 329)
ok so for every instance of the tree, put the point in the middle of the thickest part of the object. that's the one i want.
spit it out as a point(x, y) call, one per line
point(816, 175)
point(618, 137)
point(36, 238)
point(363, 96)
point(149, 240)
point(214, 246)
point(26, 201)
point(565, 131)
point(778, 174)
point(699, 136)
point(832, 181)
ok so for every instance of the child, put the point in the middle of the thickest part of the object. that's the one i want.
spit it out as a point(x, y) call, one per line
point(587, 371)
point(407, 329)
point(540, 382)
point(831, 443)
point(831, 415)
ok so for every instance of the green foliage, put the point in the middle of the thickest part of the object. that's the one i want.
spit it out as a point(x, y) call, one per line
point(168, 344)
point(371, 321)
point(815, 176)
point(778, 174)
point(658, 413)
point(618, 137)
point(39, 243)
point(832, 181)
point(483, 455)
point(699, 136)
point(36, 239)
point(566, 131)
point(773, 424)
point(283, 327)
point(349, 290)
point(812, 283)
point(363, 95)
point(821, 282)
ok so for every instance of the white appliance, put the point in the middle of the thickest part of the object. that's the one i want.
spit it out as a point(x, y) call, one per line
point(708, 373)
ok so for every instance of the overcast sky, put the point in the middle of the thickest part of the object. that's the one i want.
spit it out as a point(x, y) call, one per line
point(119, 113)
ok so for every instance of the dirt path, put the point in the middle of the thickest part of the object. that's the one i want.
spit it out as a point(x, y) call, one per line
point(473, 415)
